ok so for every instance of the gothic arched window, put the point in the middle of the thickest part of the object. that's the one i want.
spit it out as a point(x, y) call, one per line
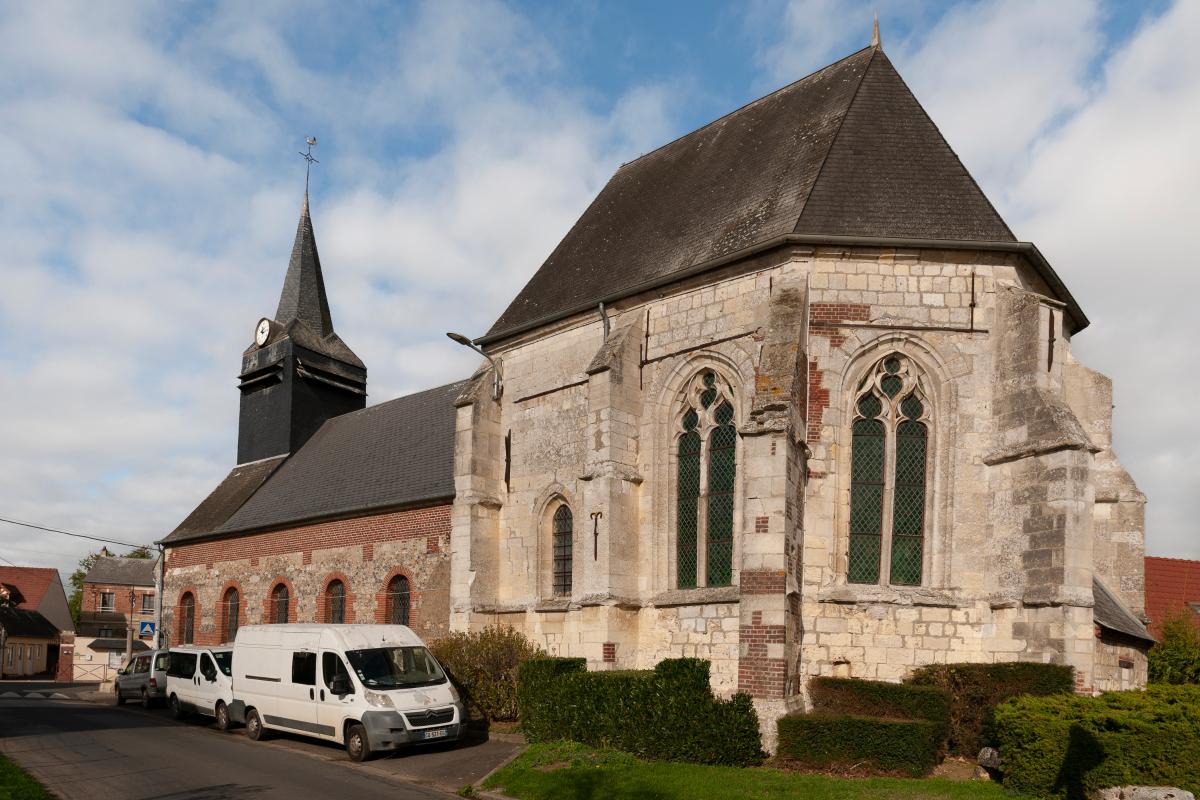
point(563, 560)
point(231, 608)
point(889, 463)
point(187, 618)
point(398, 600)
point(335, 602)
point(279, 603)
point(707, 452)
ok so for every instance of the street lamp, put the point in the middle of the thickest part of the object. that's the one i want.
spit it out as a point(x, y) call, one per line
point(497, 384)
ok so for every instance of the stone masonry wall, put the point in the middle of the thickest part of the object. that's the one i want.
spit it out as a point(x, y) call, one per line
point(365, 553)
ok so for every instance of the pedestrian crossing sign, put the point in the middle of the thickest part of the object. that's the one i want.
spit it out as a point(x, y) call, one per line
point(146, 628)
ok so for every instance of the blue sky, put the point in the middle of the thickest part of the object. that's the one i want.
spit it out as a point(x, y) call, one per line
point(152, 184)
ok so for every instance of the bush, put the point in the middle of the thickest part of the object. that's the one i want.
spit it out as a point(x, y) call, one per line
point(880, 699)
point(1068, 746)
point(1176, 657)
point(846, 743)
point(976, 690)
point(483, 665)
point(668, 713)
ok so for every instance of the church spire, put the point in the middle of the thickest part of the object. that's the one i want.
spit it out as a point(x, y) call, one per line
point(876, 42)
point(303, 297)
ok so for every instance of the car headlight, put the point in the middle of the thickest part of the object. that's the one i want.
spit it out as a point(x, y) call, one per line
point(454, 694)
point(377, 699)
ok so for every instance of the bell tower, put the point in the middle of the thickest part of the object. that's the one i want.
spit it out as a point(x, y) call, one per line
point(298, 372)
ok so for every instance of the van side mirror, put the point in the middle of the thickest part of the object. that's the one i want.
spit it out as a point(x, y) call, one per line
point(340, 685)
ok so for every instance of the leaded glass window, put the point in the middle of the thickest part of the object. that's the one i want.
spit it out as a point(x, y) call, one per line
point(187, 618)
point(563, 532)
point(335, 598)
point(398, 600)
point(232, 608)
point(279, 603)
point(705, 485)
point(889, 476)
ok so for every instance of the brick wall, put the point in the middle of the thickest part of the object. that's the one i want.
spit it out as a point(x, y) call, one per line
point(1171, 583)
point(93, 619)
point(364, 553)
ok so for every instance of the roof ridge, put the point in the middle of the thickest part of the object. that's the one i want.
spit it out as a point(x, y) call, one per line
point(833, 139)
point(742, 107)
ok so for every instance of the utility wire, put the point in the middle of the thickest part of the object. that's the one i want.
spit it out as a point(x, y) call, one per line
point(6, 561)
point(68, 533)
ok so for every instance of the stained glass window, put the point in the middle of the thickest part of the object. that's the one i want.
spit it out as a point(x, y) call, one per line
point(722, 470)
point(279, 603)
point(398, 600)
point(688, 506)
point(335, 599)
point(706, 485)
point(187, 618)
point(232, 608)
point(563, 523)
point(888, 484)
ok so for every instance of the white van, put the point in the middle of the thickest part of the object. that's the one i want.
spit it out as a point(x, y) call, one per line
point(370, 687)
point(200, 680)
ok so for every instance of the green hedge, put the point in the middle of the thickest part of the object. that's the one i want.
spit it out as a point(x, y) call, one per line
point(483, 665)
point(976, 689)
point(861, 745)
point(1068, 746)
point(668, 713)
point(879, 699)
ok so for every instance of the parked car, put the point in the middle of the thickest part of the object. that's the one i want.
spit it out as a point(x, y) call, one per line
point(370, 688)
point(144, 678)
point(200, 680)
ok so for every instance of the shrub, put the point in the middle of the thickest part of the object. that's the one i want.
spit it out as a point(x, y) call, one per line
point(483, 665)
point(668, 713)
point(976, 689)
point(1068, 746)
point(880, 699)
point(847, 743)
point(1176, 657)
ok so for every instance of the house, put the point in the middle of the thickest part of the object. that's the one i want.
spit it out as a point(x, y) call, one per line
point(33, 616)
point(118, 592)
point(38, 589)
point(1172, 588)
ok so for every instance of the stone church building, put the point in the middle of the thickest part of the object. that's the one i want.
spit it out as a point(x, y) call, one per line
point(790, 396)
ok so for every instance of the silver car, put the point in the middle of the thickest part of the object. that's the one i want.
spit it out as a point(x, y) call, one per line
point(144, 678)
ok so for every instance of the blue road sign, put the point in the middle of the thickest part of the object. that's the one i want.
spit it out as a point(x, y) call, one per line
point(146, 628)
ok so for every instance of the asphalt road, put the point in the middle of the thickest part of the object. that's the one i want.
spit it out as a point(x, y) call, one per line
point(86, 751)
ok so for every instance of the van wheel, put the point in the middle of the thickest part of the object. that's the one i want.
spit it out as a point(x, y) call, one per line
point(357, 746)
point(222, 716)
point(254, 727)
point(177, 708)
point(146, 702)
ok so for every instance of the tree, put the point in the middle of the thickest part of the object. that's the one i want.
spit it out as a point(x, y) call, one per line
point(75, 601)
point(1176, 657)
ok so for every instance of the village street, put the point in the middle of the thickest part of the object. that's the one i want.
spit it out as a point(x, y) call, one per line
point(84, 750)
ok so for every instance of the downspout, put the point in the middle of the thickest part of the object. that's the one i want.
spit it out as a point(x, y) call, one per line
point(159, 580)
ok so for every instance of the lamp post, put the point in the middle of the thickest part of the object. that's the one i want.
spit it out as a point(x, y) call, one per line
point(497, 383)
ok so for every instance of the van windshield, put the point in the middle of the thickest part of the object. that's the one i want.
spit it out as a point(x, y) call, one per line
point(395, 667)
point(224, 659)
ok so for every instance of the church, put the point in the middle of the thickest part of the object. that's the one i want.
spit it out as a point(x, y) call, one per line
point(790, 396)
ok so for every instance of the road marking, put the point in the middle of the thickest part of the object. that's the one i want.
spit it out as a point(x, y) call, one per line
point(57, 696)
point(10, 694)
point(38, 695)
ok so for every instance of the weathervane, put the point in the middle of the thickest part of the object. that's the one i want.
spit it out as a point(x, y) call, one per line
point(308, 157)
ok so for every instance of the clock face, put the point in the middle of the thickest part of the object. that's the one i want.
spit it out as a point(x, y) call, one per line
point(262, 332)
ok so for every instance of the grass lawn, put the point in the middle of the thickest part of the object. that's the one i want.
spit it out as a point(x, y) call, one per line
point(15, 784)
point(565, 770)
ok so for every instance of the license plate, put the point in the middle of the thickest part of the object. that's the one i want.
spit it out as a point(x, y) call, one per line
point(440, 733)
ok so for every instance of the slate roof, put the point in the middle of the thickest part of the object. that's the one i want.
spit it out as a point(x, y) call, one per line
point(26, 622)
point(32, 582)
point(395, 454)
point(122, 571)
point(115, 645)
point(237, 487)
point(846, 151)
point(303, 311)
point(1109, 612)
